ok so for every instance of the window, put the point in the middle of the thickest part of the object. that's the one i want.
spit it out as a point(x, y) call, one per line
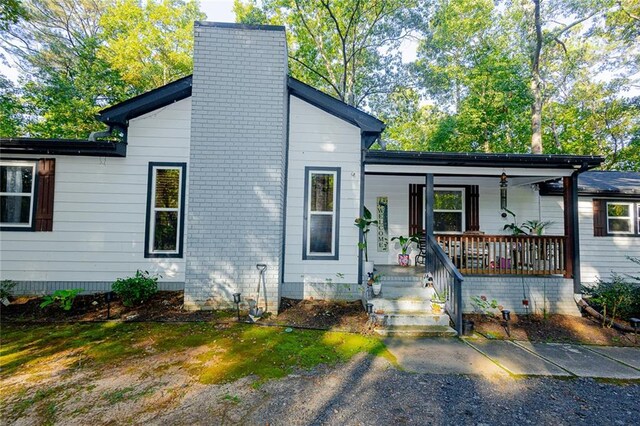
point(321, 224)
point(165, 210)
point(17, 194)
point(620, 218)
point(448, 210)
point(616, 217)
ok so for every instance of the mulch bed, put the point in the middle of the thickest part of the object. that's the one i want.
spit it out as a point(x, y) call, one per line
point(163, 306)
point(167, 306)
point(553, 328)
point(322, 314)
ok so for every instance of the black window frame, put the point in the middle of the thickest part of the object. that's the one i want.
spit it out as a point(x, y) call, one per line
point(34, 195)
point(181, 210)
point(305, 222)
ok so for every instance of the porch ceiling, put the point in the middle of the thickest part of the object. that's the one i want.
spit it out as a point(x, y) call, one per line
point(476, 164)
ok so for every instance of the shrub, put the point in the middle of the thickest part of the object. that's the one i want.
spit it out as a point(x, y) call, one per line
point(64, 298)
point(6, 288)
point(484, 306)
point(616, 298)
point(135, 290)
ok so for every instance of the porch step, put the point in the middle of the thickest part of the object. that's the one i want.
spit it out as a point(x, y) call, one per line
point(413, 319)
point(412, 331)
point(399, 292)
point(401, 304)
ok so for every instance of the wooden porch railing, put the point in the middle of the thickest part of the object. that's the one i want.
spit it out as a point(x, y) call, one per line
point(447, 280)
point(505, 254)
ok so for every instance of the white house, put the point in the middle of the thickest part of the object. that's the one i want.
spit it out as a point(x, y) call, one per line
point(240, 165)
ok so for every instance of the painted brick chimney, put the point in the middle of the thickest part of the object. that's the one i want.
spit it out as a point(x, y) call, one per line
point(237, 163)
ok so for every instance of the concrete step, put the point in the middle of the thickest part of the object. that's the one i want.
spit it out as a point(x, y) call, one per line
point(413, 331)
point(413, 319)
point(389, 292)
point(405, 304)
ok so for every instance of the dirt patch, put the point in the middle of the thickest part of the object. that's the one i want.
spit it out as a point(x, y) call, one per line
point(163, 306)
point(553, 328)
point(323, 314)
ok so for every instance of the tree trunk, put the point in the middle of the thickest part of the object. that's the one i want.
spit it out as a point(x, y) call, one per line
point(536, 86)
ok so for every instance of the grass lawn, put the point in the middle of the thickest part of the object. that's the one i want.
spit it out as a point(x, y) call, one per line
point(65, 372)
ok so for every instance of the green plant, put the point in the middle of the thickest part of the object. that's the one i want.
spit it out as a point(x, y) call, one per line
point(405, 242)
point(364, 224)
point(6, 288)
point(615, 298)
point(64, 298)
point(536, 227)
point(373, 278)
point(513, 227)
point(484, 306)
point(440, 297)
point(137, 289)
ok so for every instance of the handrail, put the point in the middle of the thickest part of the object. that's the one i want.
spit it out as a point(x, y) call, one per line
point(447, 280)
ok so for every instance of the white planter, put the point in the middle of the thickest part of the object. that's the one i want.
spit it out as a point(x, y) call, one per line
point(376, 287)
point(368, 269)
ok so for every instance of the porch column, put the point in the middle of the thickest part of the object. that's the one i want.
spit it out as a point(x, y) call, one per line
point(428, 213)
point(571, 230)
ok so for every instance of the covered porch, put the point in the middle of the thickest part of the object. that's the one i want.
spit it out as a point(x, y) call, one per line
point(468, 211)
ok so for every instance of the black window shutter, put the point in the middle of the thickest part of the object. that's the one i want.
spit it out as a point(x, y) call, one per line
point(472, 208)
point(415, 208)
point(599, 218)
point(44, 197)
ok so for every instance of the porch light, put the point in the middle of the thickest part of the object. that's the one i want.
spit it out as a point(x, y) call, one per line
point(635, 322)
point(369, 308)
point(503, 191)
point(236, 300)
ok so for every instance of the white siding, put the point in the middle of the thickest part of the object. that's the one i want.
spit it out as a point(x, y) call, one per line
point(317, 138)
point(523, 200)
point(99, 210)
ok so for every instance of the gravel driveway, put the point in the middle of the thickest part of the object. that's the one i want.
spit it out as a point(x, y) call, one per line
point(370, 391)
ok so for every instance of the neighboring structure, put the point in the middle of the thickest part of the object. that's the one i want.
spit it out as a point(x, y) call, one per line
point(240, 165)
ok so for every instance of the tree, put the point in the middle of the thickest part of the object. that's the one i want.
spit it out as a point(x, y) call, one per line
point(149, 45)
point(348, 48)
point(11, 109)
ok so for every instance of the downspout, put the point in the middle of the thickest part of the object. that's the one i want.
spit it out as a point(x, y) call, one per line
point(93, 137)
point(577, 278)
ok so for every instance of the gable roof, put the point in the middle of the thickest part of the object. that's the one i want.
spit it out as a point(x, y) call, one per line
point(599, 182)
point(121, 113)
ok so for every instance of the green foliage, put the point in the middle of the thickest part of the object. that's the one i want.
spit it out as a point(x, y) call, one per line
point(364, 224)
point(135, 290)
point(405, 242)
point(6, 288)
point(63, 298)
point(617, 298)
point(484, 306)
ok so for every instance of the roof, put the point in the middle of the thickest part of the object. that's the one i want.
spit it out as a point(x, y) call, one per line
point(62, 147)
point(121, 113)
point(598, 182)
point(473, 159)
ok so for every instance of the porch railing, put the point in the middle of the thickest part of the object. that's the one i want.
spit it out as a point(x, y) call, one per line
point(447, 280)
point(505, 254)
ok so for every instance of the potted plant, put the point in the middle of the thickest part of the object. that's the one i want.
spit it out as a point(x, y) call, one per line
point(438, 301)
point(364, 224)
point(405, 243)
point(375, 283)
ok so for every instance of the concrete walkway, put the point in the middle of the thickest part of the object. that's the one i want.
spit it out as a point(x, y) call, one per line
point(500, 357)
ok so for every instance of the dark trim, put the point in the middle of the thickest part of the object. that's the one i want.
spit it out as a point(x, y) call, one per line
point(360, 234)
point(575, 233)
point(34, 196)
point(233, 25)
point(120, 114)
point(429, 219)
point(549, 191)
point(369, 125)
point(418, 158)
point(336, 236)
point(76, 147)
point(181, 213)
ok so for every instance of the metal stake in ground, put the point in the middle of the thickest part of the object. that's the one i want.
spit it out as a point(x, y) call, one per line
point(506, 316)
